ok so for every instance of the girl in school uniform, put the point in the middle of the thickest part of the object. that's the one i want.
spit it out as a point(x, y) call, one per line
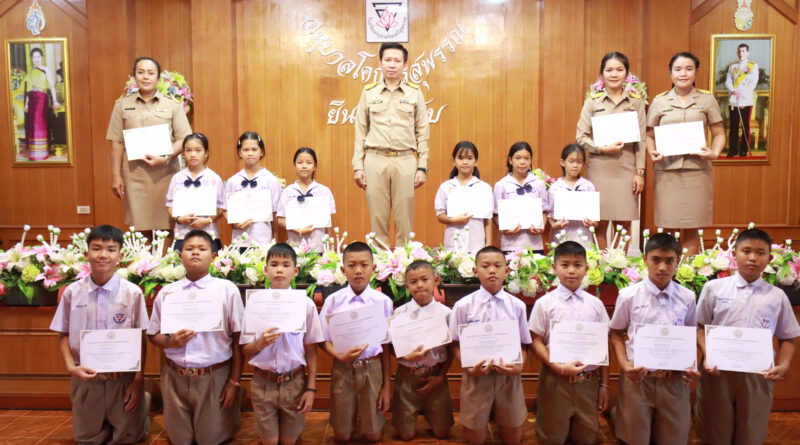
point(519, 183)
point(305, 166)
point(196, 175)
point(573, 158)
point(253, 178)
point(464, 177)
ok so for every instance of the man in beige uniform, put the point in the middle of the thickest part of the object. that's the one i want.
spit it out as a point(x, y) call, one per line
point(391, 124)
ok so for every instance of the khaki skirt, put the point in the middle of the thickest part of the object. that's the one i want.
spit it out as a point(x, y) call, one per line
point(684, 199)
point(612, 176)
point(146, 194)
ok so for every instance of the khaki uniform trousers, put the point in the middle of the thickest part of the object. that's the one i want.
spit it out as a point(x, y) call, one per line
point(733, 408)
point(495, 393)
point(390, 187)
point(354, 397)
point(407, 403)
point(661, 403)
point(97, 414)
point(566, 410)
point(275, 407)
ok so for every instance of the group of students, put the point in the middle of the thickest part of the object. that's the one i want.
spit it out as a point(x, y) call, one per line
point(200, 376)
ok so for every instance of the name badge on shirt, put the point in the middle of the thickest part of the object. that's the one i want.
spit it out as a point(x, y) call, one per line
point(665, 110)
point(130, 109)
point(597, 110)
point(376, 101)
point(406, 101)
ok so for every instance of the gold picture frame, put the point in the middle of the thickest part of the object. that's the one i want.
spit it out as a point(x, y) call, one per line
point(39, 105)
point(743, 64)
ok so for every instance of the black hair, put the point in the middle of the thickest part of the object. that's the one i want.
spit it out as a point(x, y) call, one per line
point(662, 241)
point(465, 146)
point(568, 150)
point(393, 45)
point(515, 147)
point(420, 264)
point(251, 136)
point(141, 59)
point(37, 50)
point(754, 234)
point(311, 153)
point(743, 45)
point(569, 248)
point(487, 250)
point(105, 232)
point(282, 250)
point(356, 247)
point(198, 233)
point(686, 55)
point(199, 137)
point(617, 56)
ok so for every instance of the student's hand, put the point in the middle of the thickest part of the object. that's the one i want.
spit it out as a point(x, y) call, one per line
point(82, 372)
point(481, 368)
point(690, 375)
point(118, 186)
point(361, 178)
point(656, 156)
point(431, 382)
point(228, 395)
point(419, 178)
point(602, 399)
point(415, 355)
point(571, 368)
point(383, 400)
point(508, 368)
point(243, 225)
point(776, 372)
point(559, 224)
point(305, 230)
point(713, 370)
point(707, 154)
point(535, 230)
point(638, 185)
point(154, 161)
point(25, 108)
point(512, 231)
point(267, 338)
point(180, 338)
point(200, 222)
point(461, 219)
point(612, 149)
point(351, 355)
point(132, 395)
point(589, 223)
point(634, 374)
point(306, 402)
point(185, 219)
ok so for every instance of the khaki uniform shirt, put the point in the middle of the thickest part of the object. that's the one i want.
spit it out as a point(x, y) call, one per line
point(391, 120)
point(600, 105)
point(134, 112)
point(667, 109)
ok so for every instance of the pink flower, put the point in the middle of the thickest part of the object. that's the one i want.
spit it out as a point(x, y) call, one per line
point(795, 264)
point(732, 261)
point(144, 266)
point(599, 84)
point(631, 273)
point(85, 271)
point(42, 252)
point(420, 254)
point(2, 288)
point(305, 247)
point(50, 276)
point(326, 278)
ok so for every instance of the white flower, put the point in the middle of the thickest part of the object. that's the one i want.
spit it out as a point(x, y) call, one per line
point(706, 271)
point(122, 273)
point(251, 275)
point(340, 278)
point(399, 278)
point(787, 278)
point(616, 259)
point(514, 286)
point(720, 263)
point(465, 268)
point(585, 282)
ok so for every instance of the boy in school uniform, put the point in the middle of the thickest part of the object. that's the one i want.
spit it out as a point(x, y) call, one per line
point(201, 370)
point(734, 407)
point(360, 377)
point(107, 408)
point(489, 386)
point(420, 385)
point(285, 364)
point(653, 405)
point(569, 395)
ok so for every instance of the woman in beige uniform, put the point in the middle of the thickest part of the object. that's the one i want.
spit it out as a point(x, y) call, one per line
point(683, 184)
point(143, 183)
point(616, 170)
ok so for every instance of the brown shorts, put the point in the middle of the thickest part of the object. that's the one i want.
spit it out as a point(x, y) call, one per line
point(407, 403)
point(733, 408)
point(566, 410)
point(354, 397)
point(497, 393)
point(662, 403)
point(97, 415)
point(275, 407)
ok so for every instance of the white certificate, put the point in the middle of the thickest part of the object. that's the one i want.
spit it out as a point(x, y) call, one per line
point(523, 212)
point(313, 211)
point(354, 328)
point(190, 310)
point(680, 139)
point(413, 329)
point(112, 350)
point(153, 140)
point(739, 349)
point(575, 206)
point(198, 201)
point(284, 309)
point(476, 201)
point(584, 341)
point(665, 347)
point(492, 340)
point(249, 204)
point(618, 127)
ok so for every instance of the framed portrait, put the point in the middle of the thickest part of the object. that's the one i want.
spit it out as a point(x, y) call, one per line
point(741, 81)
point(40, 110)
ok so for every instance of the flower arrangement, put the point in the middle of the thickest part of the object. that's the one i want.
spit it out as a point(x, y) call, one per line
point(146, 265)
point(242, 264)
point(632, 86)
point(785, 265)
point(170, 84)
point(327, 270)
point(547, 179)
point(530, 272)
point(717, 262)
point(390, 265)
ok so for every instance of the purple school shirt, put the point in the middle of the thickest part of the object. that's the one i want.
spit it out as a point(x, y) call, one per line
point(315, 189)
point(207, 178)
point(266, 182)
point(574, 229)
point(506, 188)
point(476, 234)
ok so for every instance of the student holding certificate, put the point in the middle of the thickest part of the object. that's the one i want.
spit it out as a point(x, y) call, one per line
point(196, 195)
point(142, 184)
point(683, 183)
point(653, 404)
point(734, 407)
point(615, 167)
point(106, 407)
point(573, 158)
point(474, 231)
point(305, 190)
point(253, 181)
point(569, 395)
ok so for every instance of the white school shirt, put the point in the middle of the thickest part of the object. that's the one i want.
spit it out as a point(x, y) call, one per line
point(732, 301)
point(118, 304)
point(574, 229)
point(645, 303)
point(506, 188)
point(433, 356)
point(207, 178)
point(481, 306)
point(258, 232)
point(315, 189)
point(205, 348)
point(346, 299)
point(288, 351)
point(565, 305)
point(477, 234)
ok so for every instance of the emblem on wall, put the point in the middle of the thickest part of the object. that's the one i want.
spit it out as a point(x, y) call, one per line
point(387, 20)
point(743, 17)
point(34, 19)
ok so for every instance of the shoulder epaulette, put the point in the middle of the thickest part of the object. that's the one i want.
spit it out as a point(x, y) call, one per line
point(412, 85)
point(662, 94)
point(704, 91)
point(597, 94)
point(371, 86)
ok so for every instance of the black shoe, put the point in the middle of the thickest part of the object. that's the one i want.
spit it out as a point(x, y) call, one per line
point(730, 155)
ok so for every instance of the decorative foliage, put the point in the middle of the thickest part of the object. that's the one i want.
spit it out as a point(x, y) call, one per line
point(171, 84)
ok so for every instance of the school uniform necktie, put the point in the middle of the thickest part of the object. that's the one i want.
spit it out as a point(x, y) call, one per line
point(251, 182)
point(523, 189)
point(188, 182)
